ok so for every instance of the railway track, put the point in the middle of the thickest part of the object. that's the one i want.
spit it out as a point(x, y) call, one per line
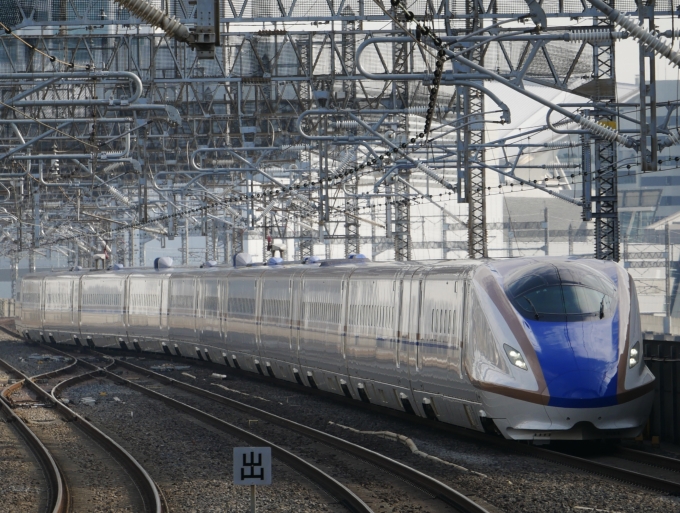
point(651, 470)
point(406, 477)
point(644, 474)
point(56, 498)
point(93, 470)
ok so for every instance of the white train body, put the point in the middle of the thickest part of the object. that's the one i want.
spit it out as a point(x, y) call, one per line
point(445, 340)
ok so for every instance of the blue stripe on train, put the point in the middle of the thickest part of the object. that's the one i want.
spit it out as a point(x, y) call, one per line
point(579, 361)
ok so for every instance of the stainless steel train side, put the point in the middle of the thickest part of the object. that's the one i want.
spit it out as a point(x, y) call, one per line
point(389, 334)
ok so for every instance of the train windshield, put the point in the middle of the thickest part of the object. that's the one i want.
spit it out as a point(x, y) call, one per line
point(549, 293)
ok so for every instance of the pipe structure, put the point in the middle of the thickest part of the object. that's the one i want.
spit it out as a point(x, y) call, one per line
point(32, 142)
point(98, 75)
point(594, 128)
point(402, 154)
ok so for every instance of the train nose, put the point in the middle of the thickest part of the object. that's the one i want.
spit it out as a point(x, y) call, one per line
point(581, 388)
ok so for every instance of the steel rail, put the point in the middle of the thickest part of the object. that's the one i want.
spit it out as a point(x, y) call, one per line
point(145, 485)
point(325, 481)
point(57, 489)
point(611, 471)
point(648, 458)
point(442, 491)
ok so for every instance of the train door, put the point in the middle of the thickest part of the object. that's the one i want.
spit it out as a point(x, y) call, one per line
point(75, 304)
point(371, 342)
point(209, 305)
point(163, 320)
point(407, 302)
point(127, 305)
point(276, 343)
point(322, 338)
point(43, 293)
point(241, 304)
point(411, 319)
point(296, 298)
point(439, 345)
point(223, 285)
point(182, 310)
point(79, 291)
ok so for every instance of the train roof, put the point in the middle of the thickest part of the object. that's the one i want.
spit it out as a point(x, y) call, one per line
point(431, 266)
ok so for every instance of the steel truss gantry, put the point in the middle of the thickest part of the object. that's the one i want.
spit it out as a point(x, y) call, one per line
point(114, 132)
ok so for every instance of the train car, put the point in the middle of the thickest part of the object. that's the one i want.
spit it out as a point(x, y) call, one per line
point(532, 348)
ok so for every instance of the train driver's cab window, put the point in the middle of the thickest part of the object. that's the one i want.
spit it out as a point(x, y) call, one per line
point(572, 292)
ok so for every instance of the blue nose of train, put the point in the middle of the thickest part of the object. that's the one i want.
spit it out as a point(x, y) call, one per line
point(579, 361)
point(579, 388)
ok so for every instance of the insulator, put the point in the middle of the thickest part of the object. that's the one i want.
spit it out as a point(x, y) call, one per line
point(431, 173)
point(646, 37)
point(672, 33)
point(671, 140)
point(234, 213)
point(347, 123)
point(556, 145)
point(346, 160)
point(296, 147)
point(113, 167)
point(118, 195)
point(422, 109)
point(222, 162)
point(115, 192)
point(157, 18)
point(603, 132)
point(560, 166)
point(594, 36)
point(266, 210)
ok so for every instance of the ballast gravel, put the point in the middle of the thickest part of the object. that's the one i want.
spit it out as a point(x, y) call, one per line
point(514, 483)
point(29, 359)
point(22, 484)
point(190, 461)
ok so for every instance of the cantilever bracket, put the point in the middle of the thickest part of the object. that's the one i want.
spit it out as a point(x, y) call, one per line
point(537, 14)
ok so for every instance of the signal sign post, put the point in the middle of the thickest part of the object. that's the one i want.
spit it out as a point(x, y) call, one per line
point(252, 466)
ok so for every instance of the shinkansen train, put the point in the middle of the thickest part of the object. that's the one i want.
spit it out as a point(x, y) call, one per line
point(533, 348)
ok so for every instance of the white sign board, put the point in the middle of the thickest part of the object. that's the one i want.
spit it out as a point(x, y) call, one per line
point(252, 465)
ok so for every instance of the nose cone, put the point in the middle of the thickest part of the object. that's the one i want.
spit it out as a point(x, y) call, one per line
point(582, 389)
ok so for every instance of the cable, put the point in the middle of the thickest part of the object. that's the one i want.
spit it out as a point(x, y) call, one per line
point(52, 58)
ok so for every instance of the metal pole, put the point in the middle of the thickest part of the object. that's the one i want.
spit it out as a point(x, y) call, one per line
point(546, 246)
point(142, 248)
point(132, 247)
point(443, 236)
point(668, 273)
point(185, 242)
point(252, 498)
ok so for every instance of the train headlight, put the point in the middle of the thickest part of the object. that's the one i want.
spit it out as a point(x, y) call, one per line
point(515, 357)
point(634, 356)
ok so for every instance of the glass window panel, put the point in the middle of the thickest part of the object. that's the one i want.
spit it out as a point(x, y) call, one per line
point(544, 300)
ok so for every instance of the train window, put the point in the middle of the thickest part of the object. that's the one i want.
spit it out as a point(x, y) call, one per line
point(569, 292)
point(442, 321)
point(275, 308)
point(583, 300)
